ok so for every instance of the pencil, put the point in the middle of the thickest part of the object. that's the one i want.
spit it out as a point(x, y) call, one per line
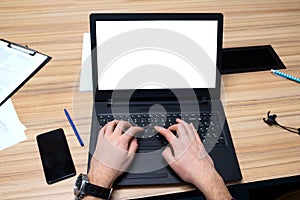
point(284, 75)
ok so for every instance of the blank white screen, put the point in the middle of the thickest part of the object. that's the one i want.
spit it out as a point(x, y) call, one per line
point(203, 33)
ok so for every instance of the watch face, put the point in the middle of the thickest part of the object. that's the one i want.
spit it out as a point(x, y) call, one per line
point(78, 182)
point(82, 188)
point(77, 186)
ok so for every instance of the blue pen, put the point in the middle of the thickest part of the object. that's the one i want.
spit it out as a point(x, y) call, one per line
point(74, 128)
point(284, 75)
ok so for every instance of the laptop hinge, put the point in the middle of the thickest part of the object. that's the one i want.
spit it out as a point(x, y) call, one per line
point(110, 102)
point(202, 100)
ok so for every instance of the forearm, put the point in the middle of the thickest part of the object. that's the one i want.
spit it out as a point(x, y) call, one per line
point(214, 188)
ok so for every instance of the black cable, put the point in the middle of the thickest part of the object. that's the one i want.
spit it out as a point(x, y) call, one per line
point(271, 120)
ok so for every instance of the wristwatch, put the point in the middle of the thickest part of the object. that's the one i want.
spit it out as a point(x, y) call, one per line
point(84, 188)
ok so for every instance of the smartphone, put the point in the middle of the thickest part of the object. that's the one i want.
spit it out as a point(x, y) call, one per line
point(55, 156)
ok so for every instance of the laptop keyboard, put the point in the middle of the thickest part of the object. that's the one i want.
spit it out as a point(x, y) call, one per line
point(208, 126)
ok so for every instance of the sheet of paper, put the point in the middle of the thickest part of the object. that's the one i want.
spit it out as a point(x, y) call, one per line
point(86, 79)
point(11, 129)
point(15, 67)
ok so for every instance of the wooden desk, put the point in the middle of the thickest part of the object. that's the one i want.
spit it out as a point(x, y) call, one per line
point(56, 28)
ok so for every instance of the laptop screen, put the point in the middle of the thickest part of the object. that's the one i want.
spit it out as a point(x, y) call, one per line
point(156, 54)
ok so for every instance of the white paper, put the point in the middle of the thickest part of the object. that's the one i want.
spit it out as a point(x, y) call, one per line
point(11, 129)
point(86, 79)
point(15, 67)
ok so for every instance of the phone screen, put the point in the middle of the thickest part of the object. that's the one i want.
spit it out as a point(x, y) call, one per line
point(55, 155)
point(250, 59)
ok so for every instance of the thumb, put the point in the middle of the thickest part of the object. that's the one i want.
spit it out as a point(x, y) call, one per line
point(168, 155)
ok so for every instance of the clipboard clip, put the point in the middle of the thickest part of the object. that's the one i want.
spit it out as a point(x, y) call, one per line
point(22, 48)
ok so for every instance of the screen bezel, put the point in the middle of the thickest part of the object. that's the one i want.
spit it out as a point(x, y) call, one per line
point(148, 94)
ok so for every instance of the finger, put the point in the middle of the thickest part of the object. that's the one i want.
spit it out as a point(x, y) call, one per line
point(180, 121)
point(131, 132)
point(121, 127)
point(180, 130)
point(196, 133)
point(190, 135)
point(168, 155)
point(133, 146)
point(100, 137)
point(166, 133)
point(110, 127)
point(102, 131)
point(103, 128)
point(174, 127)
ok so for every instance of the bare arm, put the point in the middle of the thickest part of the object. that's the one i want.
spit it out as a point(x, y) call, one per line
point(113, 154)
point(191, 161)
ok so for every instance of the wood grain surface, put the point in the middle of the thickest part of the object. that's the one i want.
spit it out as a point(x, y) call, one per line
point(56, 28)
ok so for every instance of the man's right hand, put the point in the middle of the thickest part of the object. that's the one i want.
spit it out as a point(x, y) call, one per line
point(191, 162)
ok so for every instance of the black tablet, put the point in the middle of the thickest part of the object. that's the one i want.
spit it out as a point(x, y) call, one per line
point(250, 59)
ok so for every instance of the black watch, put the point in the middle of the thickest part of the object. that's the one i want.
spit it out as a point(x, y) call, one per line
point(83, 188)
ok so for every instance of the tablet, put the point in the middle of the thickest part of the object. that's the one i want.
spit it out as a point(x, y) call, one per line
point(250, 59)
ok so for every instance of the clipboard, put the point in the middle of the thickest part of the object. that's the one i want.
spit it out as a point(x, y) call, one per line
point(18, 64)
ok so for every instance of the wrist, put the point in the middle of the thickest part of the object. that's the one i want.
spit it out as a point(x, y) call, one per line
point(214, 186)
point(102, 180)
point(101, 175)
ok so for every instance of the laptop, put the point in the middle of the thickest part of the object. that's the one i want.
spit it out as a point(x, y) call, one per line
point(151, 68)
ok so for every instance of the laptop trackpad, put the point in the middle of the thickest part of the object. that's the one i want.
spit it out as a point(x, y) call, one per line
point(162, 173)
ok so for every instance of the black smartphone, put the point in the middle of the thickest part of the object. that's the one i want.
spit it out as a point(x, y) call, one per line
point(55, 155)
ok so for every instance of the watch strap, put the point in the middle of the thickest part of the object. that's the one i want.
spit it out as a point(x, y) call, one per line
point(97, 191)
